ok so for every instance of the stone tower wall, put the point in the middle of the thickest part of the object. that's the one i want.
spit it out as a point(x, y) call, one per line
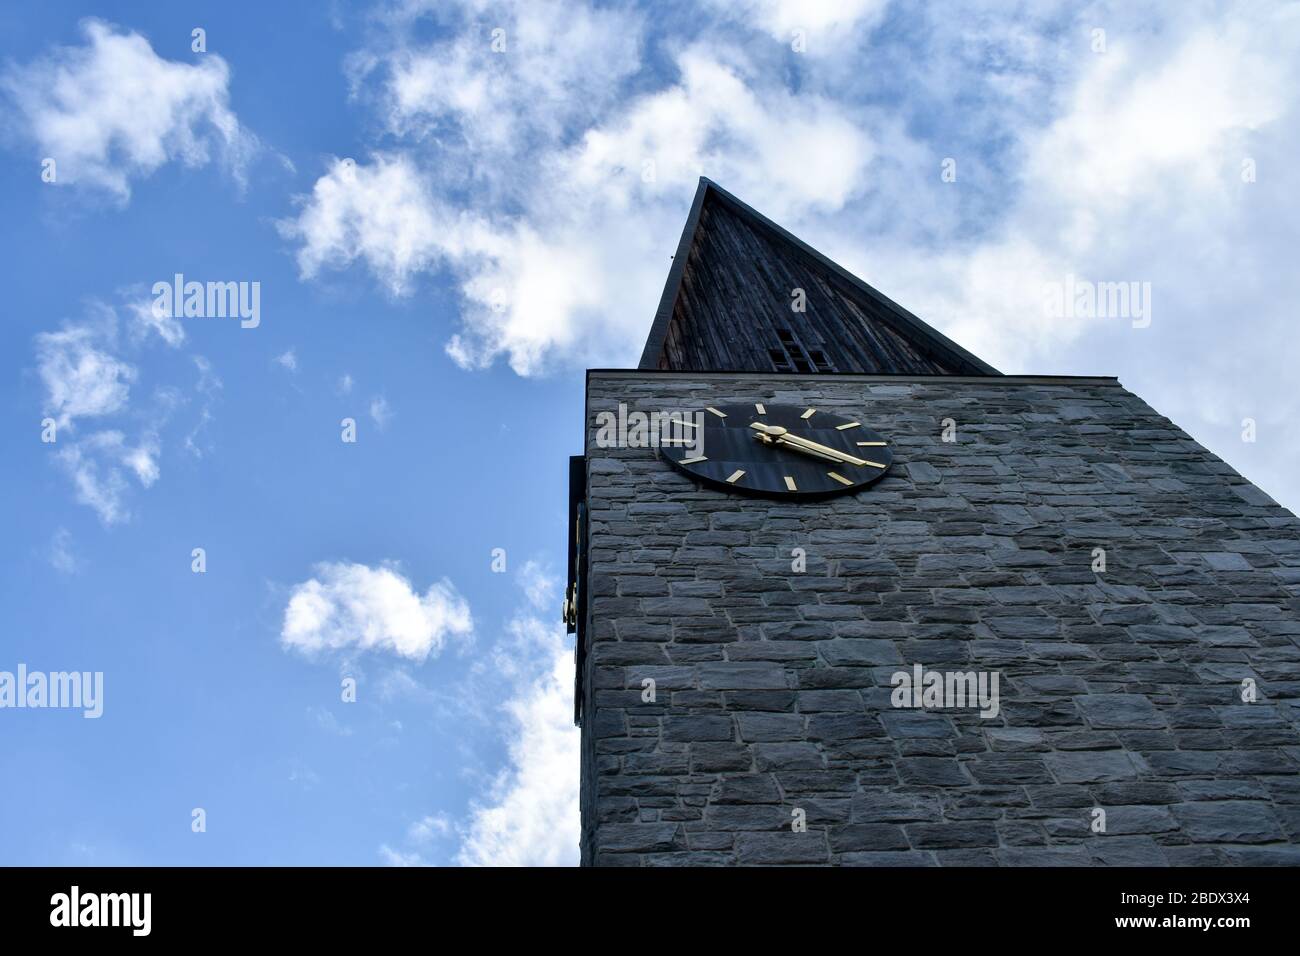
point(1119, 690)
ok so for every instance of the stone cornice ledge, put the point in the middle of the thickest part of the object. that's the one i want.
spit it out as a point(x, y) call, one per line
point(838, 377)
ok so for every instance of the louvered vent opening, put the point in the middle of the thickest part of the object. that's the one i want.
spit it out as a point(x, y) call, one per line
point(780, 361)
point(793, 357)
point(820, 360)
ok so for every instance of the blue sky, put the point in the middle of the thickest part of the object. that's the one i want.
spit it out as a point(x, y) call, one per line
point(444, 234)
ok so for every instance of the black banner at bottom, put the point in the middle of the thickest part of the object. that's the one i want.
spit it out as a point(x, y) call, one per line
point(334, 905)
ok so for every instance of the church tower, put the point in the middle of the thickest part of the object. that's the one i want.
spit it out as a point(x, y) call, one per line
point(844, 594)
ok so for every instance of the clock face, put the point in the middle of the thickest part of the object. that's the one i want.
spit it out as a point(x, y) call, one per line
point(782, 451)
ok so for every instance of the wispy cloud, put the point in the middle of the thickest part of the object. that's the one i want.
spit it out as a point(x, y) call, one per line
point(327, 721)
point(60, 554)
point(150, 319)
point(380, 411)
point(430, 828)
point(87, 379)
point(112, 110)
point(393, 857)
point(98, 465)
point(82, 378)
point(208, 387)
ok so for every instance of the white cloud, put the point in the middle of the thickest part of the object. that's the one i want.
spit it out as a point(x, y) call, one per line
point(143, 460)
point(98, 485)
point(539, 586)
point(150, 319)
point(801, 150)
point(565, 61)
point(398, 683)
point(598, 219)
point(381, 213)
point(302, 774)
point(208, 382)
point(818, 20)
point(345, 385)
point(326, 720)
point(527, 814)
point(85, 377)
point(208, 387)
point(1138, 177)
point(1149, 134)
point(81, 378)
point(393, 857)
point(287, 360)
point(530, 817)
point(1070, 162)
point(61, 556)
point(98, 465)
point(430, 828)
point(112, 110)
point(380, 411)
point(356, 607)
point(140, 458)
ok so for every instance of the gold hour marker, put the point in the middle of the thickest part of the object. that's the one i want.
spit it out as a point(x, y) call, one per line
point(677, 441)
point(838, 477)
point(758, 407)
point(808, 414)
point(735, 477)
point(871, 444)
point(710, 408)
point(692, 461)
point(789, 484)
point(841, 428)
point(683, 423)
point(873, 464)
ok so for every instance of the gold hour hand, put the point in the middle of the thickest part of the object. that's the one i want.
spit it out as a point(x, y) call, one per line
point(776, 435)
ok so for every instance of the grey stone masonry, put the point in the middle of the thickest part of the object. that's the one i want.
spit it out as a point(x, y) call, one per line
point(1123, 693)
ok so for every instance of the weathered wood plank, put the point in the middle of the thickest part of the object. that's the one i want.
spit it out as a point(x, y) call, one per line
point(734, 306)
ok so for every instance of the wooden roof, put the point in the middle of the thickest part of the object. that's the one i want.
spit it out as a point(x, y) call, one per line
point(727, 306)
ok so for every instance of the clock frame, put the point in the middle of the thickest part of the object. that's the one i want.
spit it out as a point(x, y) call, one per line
point(781, 451)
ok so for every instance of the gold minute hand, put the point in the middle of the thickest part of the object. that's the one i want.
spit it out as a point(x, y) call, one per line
point(776, 435)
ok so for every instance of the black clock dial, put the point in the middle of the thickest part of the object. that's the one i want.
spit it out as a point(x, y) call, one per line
point(784, 451)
